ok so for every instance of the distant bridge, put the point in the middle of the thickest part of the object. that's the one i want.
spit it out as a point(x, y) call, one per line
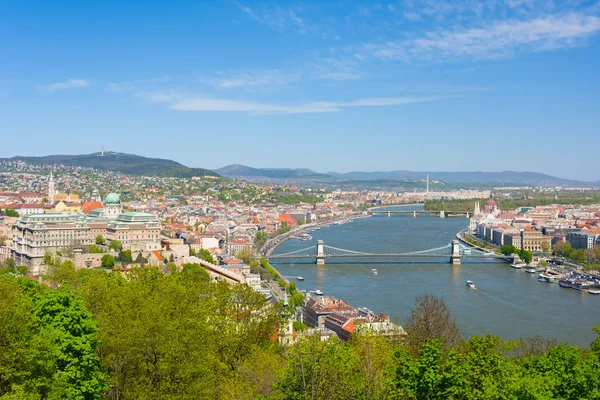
point(453, 251)
point(441, 213)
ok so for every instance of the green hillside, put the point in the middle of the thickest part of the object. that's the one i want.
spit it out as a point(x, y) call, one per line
point(121, 162)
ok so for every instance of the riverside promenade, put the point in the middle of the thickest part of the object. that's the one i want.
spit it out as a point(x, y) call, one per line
point(272, 244)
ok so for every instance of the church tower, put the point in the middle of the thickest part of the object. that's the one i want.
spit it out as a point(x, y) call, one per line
point(51, 189)
point(477, 210)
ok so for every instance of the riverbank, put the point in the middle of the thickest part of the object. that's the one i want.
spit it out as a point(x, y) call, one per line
point(272, 244)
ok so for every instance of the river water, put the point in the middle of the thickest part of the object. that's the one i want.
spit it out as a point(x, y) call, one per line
point(508, 302)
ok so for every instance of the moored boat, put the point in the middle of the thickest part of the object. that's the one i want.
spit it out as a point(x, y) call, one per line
point(517, 266)
point(594, 292)
point(564, 283)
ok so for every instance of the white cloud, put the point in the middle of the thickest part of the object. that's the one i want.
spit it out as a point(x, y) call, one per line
point(136, 84)
point(71, 83)
point(260, 79)
point(275, 18)
point(207, 104)
point(496, 40)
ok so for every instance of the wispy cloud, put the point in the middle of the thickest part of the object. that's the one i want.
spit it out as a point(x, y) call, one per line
point(180, 102)
point(256, 79)
point(277, 17)
point(70, 84)
point(496, 40)
point(137, 84)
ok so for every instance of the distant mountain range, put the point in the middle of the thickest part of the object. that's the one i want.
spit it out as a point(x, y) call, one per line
point(242, 171)
point(501, 178)
point(504, 178)
point(120, 162)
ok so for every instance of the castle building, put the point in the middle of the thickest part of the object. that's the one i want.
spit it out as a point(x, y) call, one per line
point(36, 233)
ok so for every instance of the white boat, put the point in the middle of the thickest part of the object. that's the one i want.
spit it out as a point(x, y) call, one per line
point(374, 271)
point(531, 270)
point(518, 266)
point(470, 284)
point(300, 278)
point(596, 292)
point(318, 292)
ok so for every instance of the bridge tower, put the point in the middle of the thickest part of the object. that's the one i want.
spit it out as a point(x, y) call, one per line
point(414, 214)
point(455, 255)
point(320, 253)
point(442, 214)
point(389, 214)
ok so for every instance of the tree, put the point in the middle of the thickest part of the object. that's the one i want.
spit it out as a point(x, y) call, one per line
point(9, 212)
point(107, 261)
point(205, 255)
point(115, 245)
point(430, 320)
point(526, 255)
point(245, 254)
point(508, 249)
point(100, 240)
point(10, 263)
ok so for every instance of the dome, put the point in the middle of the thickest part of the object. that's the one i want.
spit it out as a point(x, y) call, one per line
point(112, 198)
point(491, 203)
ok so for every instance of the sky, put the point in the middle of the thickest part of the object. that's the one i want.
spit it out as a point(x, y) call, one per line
point(429, 85)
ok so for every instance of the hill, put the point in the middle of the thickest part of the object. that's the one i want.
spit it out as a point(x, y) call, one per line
point(242, 171)
point(121, 162)
point(499, 178)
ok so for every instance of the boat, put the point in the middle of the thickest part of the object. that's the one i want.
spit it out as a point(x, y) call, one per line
point(318, 292)
point(531, 270)
point(564, 283)
point(300, 278)
point(517, 266)
point(470, 284)
point(595, 292)
point(374, 271)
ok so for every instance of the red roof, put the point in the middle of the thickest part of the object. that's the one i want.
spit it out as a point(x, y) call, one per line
point(158, 255)
point(90, 205)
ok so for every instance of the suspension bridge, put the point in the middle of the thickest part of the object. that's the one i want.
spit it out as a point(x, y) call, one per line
point(453, 251)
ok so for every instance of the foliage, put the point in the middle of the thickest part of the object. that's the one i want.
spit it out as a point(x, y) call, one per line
point(115, 245)
point(261, 238)
point(9, 212)
point(508, 250)
point(182, 335)
point(100, 240)
point(246, 255)
point(107, 261)
point(94, 249)
point(525, 255)
point(430, 320)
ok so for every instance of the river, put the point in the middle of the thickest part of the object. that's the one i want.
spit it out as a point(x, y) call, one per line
point(508, 302)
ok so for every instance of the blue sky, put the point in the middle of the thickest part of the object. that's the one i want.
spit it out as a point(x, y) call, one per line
point(334, 86)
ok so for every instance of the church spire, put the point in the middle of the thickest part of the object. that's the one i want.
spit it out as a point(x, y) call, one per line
point(51, 189)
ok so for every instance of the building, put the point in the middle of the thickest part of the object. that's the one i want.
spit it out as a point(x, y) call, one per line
point(34, 234)
point(581, 240)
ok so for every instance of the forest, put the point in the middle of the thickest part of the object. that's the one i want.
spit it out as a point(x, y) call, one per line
point(95, 334)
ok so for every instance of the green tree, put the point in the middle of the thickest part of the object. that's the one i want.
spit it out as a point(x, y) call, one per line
point(100, 241)
point(507, 250)
point(10, 263)
point(9, 212)
point(205, 255)
point(107, 261)
point(526, 255)
point(115, 245)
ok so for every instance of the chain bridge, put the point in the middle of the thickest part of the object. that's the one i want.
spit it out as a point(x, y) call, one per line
point(453, 251)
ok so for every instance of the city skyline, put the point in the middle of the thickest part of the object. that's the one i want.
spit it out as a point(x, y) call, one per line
point(438, 86)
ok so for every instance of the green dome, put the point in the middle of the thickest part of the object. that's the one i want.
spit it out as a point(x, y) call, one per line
point(112, 198)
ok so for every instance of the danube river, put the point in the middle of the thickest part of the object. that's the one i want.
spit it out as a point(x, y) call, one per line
point(508, 302)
